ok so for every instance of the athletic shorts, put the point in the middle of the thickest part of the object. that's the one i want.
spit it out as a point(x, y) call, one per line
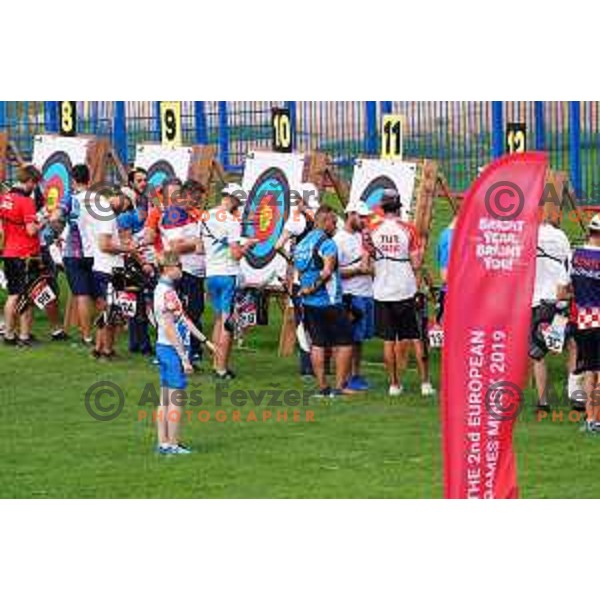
point(80, 275)
point(570, 330)
point(16, 275)
point(328, 326)
point(221, 290)
point(362, 311)
point(101, 281)
point(191, 292)
point(588, 350)
point(540, 315)
point(170, 368)
point(395, 321)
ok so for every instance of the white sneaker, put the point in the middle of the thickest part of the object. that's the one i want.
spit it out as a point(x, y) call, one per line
point(395, 390)
point(427, 389)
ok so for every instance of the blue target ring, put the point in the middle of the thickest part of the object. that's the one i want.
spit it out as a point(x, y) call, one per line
point(265, 214)
point(56, 175)
point(373, 193)
point(159, 172)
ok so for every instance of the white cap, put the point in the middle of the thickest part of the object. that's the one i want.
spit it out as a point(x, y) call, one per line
point(360, 207)
point(594, 224)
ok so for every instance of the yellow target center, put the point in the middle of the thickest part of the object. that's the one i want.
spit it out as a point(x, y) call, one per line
point(265, 218)
point(52, 197)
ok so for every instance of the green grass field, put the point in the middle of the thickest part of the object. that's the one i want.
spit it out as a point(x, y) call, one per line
point(365, 446)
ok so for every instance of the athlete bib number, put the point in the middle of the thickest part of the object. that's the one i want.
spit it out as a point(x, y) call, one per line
point(436, 336)
point(42, 295)
point(246, 310)
point(554, 334)
point(127, 302)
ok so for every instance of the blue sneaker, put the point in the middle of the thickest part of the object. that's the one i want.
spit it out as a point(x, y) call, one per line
point(164, 450)
point(356, 383)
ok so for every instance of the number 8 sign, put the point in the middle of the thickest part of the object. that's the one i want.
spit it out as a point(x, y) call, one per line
point(67, 116)
point(170, 124)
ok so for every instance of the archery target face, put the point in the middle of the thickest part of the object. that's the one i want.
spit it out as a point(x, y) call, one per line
point(159, 171)
point(268, 181)
point(55, 156)
point(265, 212)
point(372, 176)
point(163, 162)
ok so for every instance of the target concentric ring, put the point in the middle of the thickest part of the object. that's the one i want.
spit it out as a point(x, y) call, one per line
point(265, 213)
point(373, 192)
point(159, 171)
point(56, 176)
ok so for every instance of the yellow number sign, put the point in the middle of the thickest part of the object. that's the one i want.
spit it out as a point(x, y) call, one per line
point(516, 138)
point(282, 130)
point(391, 136)
point(67, 111)
point(170, 123)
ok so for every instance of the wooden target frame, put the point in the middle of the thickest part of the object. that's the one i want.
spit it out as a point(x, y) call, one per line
point(318, 170)
point(99, 156)
point(9, 154)
point(563, 192)
point(270, 182)
point(204, 167)
point(429, 184)
point(57, 161)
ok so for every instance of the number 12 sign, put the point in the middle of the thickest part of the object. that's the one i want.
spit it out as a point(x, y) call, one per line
point(391, 136)
point(516, 138)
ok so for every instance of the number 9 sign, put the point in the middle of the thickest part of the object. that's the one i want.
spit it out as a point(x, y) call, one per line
point(170, 123)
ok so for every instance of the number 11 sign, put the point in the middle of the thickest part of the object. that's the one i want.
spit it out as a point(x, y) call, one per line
point(391, 136)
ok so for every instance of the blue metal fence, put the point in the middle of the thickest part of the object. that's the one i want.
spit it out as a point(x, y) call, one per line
point(462, 136)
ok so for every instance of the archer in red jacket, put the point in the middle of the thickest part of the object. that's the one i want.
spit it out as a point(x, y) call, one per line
point(20, 228)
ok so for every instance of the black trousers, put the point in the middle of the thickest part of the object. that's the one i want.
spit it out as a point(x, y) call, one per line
point(191, 290)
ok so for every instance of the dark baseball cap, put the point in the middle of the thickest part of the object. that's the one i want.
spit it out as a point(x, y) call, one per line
point(390, 200)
